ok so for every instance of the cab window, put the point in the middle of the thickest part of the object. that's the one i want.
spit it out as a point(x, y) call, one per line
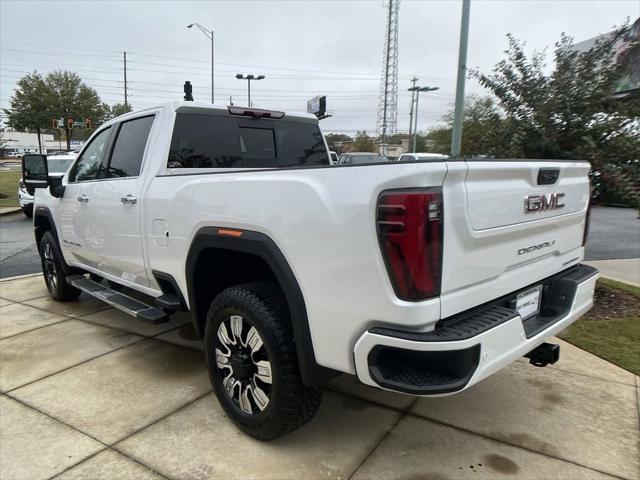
point(129, 146)
point(90, 164)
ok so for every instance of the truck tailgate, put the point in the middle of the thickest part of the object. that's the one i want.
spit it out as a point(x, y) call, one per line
point(509, 224)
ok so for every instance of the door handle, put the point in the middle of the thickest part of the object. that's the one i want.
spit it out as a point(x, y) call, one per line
point(129, 199)
point(83, 198)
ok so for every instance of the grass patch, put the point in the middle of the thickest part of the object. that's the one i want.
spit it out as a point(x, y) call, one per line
point(9, 188)
point(625, 287)
point(611, 330)
point(616, 340)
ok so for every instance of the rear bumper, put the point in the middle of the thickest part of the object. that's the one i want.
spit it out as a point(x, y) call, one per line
point(466, 348)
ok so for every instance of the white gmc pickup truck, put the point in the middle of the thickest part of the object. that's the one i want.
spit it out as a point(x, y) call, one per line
point(417, 277)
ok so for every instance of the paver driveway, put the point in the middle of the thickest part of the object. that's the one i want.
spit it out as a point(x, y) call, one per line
point(90, 393)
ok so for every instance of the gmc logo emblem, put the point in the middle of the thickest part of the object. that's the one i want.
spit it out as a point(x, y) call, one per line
point(543, 203)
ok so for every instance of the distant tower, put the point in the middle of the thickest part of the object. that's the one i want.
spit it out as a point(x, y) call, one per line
point(388, 102)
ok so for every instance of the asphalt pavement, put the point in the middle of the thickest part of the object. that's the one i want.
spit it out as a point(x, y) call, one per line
point(18, 252)
point(614, 233)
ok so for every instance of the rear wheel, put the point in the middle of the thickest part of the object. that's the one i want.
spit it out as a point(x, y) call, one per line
point(54, 275)
point(252, 362)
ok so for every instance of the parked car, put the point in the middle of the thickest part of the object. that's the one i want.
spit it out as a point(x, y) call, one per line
point(417, 277)
point(57, 165)
point(359, 158)
point(419, 157)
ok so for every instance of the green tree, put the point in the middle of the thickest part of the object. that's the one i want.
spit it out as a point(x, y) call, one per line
point(28, 109)
point(363, 142)
point(70, 98)
point(119, 109)
point(570, 113)
point(482, 130)
point(334, 139)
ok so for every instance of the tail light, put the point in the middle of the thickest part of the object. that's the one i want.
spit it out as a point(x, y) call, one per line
point(410, 225)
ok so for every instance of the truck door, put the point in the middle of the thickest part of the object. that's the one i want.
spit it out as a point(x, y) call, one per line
point(116, 204)
point(76, 229)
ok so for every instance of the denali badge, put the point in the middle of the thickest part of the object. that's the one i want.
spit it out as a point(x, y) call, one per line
point(542, 203)
point(539, 246)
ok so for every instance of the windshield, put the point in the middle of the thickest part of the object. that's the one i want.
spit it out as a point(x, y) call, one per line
point(368, 159)
point(59, 165)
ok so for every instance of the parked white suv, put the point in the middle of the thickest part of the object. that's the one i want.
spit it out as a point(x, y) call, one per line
point(417, 277)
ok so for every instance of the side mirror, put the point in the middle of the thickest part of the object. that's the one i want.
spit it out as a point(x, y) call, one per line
point(35, 171)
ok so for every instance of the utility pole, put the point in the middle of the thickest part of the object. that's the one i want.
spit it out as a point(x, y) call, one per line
point(125, 82)
point(413, 95)
point(458, 117)
point(415, 89)
point(415, 125)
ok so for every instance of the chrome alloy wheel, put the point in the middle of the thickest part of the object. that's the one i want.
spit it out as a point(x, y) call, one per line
point(49, 265)
point(243, 359)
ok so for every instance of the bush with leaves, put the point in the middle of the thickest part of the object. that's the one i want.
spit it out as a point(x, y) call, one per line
point(571, 113)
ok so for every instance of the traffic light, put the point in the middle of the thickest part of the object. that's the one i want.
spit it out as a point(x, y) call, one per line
point(69, 123)
point(187, 91)
point(54, 123)
point(87, 123)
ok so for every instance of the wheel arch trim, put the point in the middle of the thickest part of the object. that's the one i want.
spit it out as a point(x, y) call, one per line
point(44, 212)
point(262, 246)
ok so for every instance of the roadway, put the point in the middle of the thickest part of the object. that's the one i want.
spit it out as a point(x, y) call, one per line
point(614, 234)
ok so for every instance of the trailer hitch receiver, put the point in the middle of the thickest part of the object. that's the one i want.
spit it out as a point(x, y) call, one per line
point(543, 355)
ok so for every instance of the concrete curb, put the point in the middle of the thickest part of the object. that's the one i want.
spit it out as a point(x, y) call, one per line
point(9, 211)
point(18, 277)
point(620, 280)
point(624, 270)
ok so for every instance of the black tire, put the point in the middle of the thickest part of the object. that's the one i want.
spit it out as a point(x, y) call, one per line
point(53, 271)
point(28, 211)
point(290, 403)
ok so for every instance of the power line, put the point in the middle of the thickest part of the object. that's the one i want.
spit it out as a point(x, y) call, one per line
point(114, 55)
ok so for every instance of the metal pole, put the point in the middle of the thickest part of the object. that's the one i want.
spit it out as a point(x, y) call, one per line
point(415, 129)
point(456, 136)
point(386, 83)
point(125, 82)
point(212, 94)
point(413, 99)
point(249, 90)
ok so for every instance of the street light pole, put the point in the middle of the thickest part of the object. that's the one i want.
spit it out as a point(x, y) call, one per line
point(456, 135)
point(417, 91)
point(209, 35)
point(248, 78)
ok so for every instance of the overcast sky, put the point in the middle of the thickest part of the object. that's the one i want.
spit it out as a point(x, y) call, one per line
point(303, 47)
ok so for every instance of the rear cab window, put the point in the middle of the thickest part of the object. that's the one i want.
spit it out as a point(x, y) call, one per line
point(228, 141)
point(128, 148)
